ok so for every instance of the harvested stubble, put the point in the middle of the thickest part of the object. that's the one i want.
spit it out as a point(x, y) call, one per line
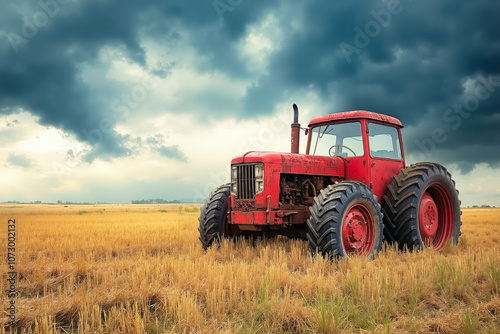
point(141, 269)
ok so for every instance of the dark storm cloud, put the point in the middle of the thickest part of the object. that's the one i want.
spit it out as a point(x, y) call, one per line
point(46, 43)
point(409, 59)
point(403, 58)
point(40, 71)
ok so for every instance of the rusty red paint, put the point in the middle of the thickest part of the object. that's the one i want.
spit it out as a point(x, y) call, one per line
point(268, 217)
point(355, 115)
point(295, 138)
point(277, 163)
point(266, 209)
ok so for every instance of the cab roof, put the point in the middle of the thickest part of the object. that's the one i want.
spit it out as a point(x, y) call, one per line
point(356, 115)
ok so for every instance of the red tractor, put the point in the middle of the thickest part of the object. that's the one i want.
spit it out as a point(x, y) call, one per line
point(349, 190)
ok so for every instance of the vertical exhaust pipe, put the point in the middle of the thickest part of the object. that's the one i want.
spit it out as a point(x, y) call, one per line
point(295, 130)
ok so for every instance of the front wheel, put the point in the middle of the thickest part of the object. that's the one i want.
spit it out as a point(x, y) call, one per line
point(345, 220)
point(421, 207)
point(213, 218)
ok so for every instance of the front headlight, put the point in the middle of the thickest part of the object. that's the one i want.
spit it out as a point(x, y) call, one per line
point(259, 171)
point(259, 178)
point(234, 174)
point(234, 180)
point(259, 186)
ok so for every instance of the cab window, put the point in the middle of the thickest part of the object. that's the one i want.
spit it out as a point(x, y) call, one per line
point(384, 141)
point(337, 140)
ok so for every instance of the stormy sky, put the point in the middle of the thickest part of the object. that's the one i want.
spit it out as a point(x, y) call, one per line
point(111, 101)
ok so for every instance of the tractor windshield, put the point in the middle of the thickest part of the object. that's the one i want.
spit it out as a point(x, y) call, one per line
point(337, 140)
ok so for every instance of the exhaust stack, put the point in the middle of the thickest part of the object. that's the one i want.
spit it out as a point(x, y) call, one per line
point(295, 130)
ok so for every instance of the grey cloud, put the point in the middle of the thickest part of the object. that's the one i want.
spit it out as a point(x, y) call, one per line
point(155, 141)
point(172, 152)
point(157, 144)
point(18, 160)
point(44, 76)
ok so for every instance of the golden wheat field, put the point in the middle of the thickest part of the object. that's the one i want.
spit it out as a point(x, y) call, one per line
point(141, 269)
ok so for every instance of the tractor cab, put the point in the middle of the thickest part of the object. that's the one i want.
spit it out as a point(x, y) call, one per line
point(368, 142)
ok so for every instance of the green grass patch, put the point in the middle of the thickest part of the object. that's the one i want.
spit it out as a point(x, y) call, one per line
point(191, 210)
point(494, 278)
point(328, 312)
point(470, 322)
point(253, 322)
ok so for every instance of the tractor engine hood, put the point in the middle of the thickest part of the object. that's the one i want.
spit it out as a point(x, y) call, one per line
point(289, 163)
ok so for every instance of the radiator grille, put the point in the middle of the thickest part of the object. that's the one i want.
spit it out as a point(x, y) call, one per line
point(246, 181)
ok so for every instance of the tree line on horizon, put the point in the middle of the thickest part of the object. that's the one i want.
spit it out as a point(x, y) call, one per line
point(155, 201)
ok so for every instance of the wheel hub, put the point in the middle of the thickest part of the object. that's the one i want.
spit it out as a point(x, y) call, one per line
point(355, 230)
point(428, 218)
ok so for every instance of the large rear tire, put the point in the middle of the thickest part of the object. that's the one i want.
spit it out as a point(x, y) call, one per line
point(421, 208)
point(213, 218)
point(345, 220)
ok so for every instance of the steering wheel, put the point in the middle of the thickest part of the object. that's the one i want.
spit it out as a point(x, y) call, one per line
point(332, 153)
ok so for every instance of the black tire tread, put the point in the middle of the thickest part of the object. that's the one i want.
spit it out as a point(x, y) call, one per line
point(212, 215)
point(401, 201)
point(324, 223)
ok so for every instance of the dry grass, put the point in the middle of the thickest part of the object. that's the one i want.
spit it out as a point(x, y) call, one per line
point(140, 269)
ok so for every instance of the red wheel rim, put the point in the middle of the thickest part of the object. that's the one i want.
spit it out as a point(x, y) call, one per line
point(428, 219)
point(358, 230)
point(435, 217)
